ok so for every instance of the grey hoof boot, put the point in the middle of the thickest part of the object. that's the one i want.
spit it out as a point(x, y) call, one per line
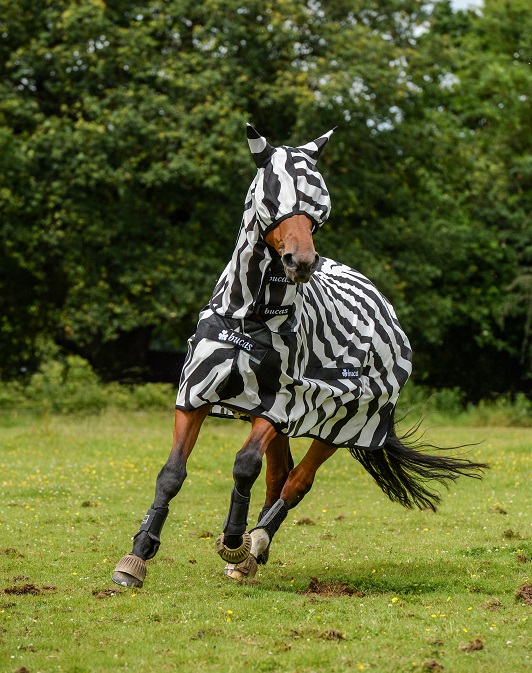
point(234, 555)
point(130, 571)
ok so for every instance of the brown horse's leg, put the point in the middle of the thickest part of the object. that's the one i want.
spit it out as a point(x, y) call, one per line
point(301, 478)
point(279, 462)
point(131, 569)
point(296, 487)
point(234, 543)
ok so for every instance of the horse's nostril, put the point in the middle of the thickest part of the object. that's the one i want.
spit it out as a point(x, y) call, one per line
point(288, 259)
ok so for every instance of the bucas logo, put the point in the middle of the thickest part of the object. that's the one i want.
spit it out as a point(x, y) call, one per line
point(241, 343)
point(279, 279)
point(236, 339)
point(276, 311)
point(347, 373)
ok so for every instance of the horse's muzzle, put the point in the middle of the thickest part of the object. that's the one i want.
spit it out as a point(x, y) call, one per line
point(299, 270)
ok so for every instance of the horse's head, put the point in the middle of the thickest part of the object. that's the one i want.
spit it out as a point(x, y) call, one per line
point(292, 240)
point(290, 201)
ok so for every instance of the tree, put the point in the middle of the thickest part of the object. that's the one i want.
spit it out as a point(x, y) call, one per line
point(126, 121)
point(485, 79)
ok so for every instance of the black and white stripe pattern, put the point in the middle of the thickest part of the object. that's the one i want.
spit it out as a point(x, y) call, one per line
point(323, 359)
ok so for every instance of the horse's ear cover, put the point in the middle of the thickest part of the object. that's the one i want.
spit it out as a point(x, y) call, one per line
point(259, 146)
point(314, 148)
point(262, 150)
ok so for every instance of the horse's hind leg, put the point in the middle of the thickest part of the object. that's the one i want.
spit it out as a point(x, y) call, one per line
point(131, 569)
point(301, 478)
point(234, 544)
point(296, 486)
point(279, 463)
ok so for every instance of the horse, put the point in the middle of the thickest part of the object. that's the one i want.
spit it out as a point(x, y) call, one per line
point(300, 346)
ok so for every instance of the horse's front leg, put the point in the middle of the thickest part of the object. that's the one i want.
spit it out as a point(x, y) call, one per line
point(131, 569)
point(279, 462)
point(296, 485)
point(234, 544)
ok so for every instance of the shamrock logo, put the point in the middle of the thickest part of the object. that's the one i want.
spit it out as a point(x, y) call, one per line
point(224, 335)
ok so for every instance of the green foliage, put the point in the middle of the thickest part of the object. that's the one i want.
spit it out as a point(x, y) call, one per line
point(72, 386)
point(502, 411)
point(450, 406)
point(123, 168)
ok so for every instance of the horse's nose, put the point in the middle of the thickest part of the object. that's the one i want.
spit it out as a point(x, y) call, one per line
point(298, 269)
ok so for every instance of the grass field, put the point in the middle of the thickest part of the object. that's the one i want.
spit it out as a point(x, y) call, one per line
point(354, 582)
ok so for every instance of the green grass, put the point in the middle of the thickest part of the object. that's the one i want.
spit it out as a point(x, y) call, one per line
point(398, 590)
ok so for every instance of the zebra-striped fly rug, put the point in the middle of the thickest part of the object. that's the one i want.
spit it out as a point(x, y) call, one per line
point(323, 359)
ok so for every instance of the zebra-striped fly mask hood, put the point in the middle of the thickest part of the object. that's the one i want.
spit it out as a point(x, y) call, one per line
point(287, 182)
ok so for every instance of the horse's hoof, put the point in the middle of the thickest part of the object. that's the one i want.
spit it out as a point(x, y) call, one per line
point(262, 558)
point(245, 570)
point(234, 555)
point(130, 571)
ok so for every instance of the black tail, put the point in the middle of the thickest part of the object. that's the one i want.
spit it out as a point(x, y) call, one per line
point(402, 470)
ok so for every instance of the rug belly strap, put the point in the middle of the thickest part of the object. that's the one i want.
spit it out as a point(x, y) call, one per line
point(153, 524)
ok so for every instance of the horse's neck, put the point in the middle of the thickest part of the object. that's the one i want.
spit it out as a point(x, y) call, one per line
point(243, 284)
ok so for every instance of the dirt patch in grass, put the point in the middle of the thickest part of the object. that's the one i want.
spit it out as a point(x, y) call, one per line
point(332, 634)
point(305, 521)
point(511, 534)
point(247, 639)
point(499, 510)
point(433, 665)
point(472, 646)
point(106, 593)
point(327, 589)
point(525, 593)
point(310, 633)
point(203, 535)
point(493, 604)
point(90, 503)
point(11, 551)
point(28, 589)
